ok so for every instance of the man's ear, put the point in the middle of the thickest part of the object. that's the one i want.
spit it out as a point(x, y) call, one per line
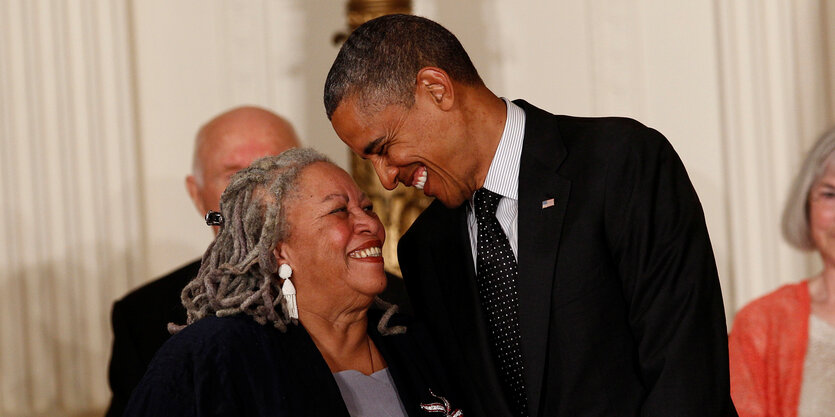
point(436, 83)
point(194, 193)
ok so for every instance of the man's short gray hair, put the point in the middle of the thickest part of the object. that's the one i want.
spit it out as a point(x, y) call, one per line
point(795, 222)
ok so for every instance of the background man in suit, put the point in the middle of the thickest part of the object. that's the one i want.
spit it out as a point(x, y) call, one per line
point(224, 145)
point(606, 299)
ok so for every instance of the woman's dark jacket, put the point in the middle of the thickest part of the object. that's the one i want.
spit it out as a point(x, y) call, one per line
point(233, 366)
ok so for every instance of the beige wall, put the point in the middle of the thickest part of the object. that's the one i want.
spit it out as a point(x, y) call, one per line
point(100, 100)
point(195, 59)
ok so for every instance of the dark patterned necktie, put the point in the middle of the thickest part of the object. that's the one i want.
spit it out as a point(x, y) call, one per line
point(497, 275)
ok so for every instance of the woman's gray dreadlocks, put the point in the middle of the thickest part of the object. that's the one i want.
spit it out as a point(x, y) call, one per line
point(239, 271)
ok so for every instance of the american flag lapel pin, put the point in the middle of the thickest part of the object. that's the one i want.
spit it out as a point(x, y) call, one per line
point(547, 203)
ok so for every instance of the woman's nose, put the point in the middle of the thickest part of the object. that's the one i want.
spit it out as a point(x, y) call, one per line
point(367, 221)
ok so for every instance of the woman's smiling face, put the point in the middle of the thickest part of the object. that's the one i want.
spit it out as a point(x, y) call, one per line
point(335, 240)
point(821, 205)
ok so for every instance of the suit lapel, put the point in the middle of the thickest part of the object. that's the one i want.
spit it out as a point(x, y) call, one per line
point(454, 254)
point(458, 285)
point(543, 198)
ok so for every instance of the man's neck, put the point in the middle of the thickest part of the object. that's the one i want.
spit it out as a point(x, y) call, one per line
point(485, 114)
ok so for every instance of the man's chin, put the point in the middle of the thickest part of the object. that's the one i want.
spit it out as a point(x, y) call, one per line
point(445, 199)
point(449, 202)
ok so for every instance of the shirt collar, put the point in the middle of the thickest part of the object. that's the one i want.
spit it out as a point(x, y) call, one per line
point(503, 175)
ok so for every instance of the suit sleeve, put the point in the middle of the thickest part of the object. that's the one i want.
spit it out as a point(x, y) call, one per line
point(126, 364)
point(657, 233)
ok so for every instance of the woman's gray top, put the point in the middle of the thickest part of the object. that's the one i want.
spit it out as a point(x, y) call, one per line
point(369, 395)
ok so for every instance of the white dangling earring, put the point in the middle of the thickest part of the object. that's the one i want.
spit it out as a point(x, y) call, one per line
point(288, 290)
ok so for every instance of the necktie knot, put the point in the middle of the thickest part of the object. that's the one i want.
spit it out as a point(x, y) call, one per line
point(486, 202)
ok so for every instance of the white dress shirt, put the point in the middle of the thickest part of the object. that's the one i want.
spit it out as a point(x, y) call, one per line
point(503, 179)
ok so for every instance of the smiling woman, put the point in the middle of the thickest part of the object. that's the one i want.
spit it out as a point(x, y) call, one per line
point(292, 221)
point(335, 251)
point(782, 345)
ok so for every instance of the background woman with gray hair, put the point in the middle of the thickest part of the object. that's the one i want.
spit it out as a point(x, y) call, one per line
point(782, 346)
point(284, 318)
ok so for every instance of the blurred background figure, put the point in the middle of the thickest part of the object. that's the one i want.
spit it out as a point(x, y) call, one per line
point(782, 345)
point(227, 143)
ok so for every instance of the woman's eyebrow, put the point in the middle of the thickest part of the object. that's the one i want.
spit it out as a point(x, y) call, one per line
point(335, 196)
point(343, 196)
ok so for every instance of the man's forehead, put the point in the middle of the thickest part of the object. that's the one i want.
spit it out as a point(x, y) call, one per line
point(366, 107)
point(350, 110)
point(353, 115)
point(350, 124)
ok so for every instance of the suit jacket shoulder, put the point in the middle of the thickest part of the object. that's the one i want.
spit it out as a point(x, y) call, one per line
point(140, 321)
point(585, 138)
point(148, 295)
point(160, 297)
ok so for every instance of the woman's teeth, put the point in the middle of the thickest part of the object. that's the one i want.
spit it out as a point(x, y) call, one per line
point(421, 180)
point(365, 253)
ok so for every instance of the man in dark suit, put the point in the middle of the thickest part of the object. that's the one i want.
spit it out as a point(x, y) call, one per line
point(607, 300)
point(224, 145)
